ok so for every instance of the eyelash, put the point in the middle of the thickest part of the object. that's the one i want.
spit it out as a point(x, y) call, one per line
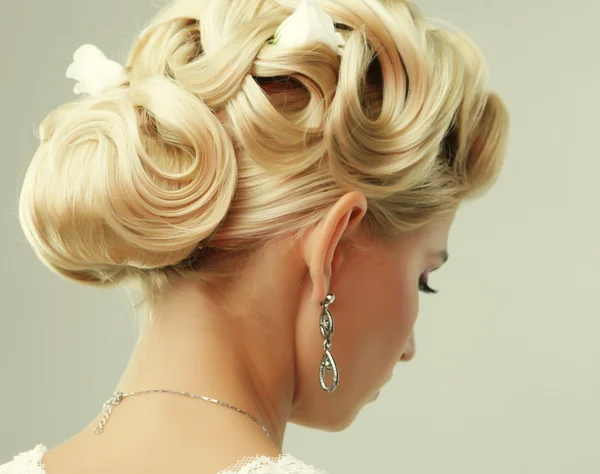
point(424, 286)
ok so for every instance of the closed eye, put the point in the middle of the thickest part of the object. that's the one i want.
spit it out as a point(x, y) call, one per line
point(424, 286)
point(424, 280)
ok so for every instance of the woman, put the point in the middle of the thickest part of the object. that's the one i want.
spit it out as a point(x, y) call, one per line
point(266, 175)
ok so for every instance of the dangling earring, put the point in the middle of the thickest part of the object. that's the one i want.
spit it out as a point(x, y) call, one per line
point(327, 362)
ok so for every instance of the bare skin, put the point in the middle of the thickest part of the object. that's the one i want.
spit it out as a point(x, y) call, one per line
point(262, 352)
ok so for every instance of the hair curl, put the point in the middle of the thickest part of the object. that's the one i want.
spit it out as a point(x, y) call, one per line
point(220, 141)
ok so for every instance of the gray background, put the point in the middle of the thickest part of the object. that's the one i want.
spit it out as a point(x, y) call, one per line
point(506, 376)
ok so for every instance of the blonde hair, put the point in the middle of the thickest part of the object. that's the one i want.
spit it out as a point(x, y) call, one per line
point(219, 142)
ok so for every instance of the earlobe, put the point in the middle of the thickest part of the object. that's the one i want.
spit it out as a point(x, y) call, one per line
point(328, 245)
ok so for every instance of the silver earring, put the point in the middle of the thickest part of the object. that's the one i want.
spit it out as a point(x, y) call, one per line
point(327, 362)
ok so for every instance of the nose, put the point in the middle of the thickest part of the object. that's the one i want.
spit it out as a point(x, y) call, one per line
point(410, 350)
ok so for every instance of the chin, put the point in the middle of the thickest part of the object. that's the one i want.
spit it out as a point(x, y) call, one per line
point(328, 420)
point(329, 426)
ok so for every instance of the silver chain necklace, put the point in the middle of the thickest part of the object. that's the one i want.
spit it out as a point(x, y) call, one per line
point(118, 397)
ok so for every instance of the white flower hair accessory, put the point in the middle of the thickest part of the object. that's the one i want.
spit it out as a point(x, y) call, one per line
point(94, 71)
point(309, 23)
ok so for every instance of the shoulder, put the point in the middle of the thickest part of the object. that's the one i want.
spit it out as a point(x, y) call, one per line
point(28, 462)
point(282, 464)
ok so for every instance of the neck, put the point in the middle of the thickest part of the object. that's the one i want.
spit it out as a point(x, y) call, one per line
point(190, 346)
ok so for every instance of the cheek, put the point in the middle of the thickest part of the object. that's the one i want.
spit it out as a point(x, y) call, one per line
point(398, 315)
point(383, 314)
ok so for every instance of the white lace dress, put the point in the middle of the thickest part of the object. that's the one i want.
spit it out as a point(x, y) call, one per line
point(30, 462)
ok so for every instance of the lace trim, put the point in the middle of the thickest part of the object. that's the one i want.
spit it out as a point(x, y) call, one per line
point(283, 464)
point(31, 462)
point(27, 462)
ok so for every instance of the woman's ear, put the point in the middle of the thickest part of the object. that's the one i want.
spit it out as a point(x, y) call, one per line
point(324, 253)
